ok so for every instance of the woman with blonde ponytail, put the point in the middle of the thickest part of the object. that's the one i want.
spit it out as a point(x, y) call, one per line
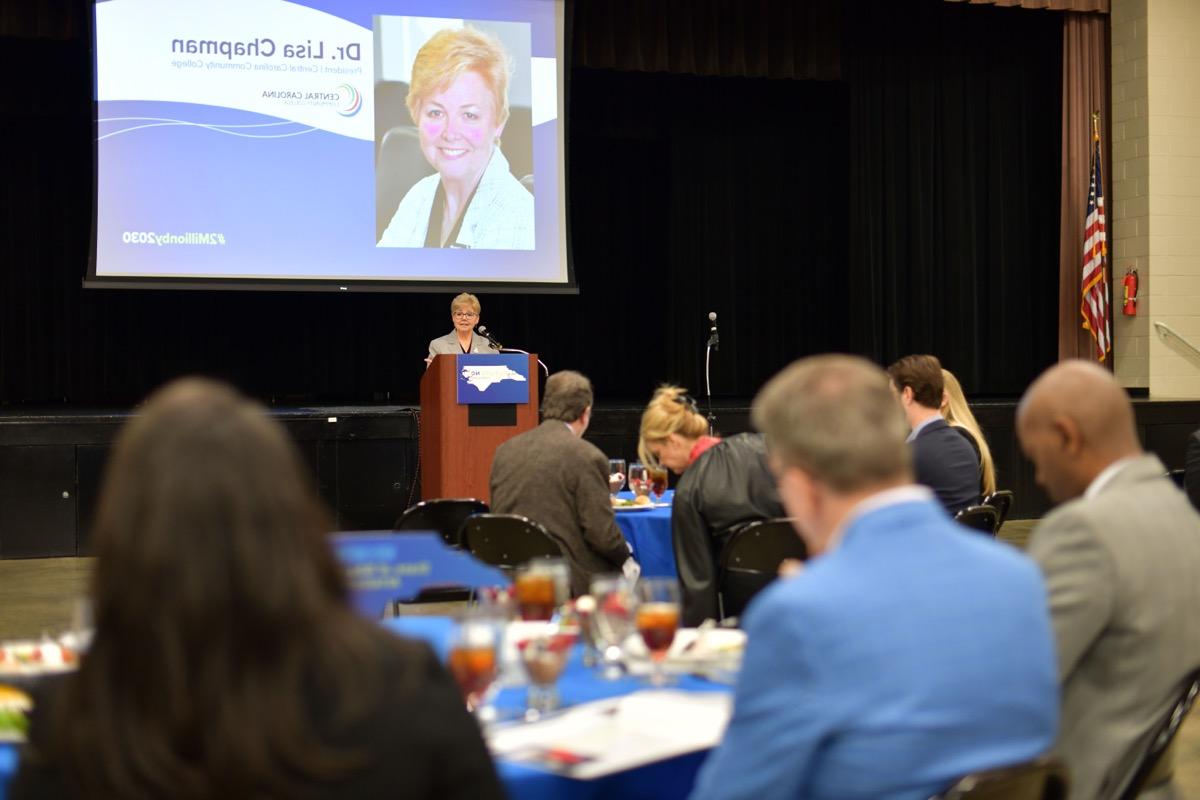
point(958, 414)
point(723, 485)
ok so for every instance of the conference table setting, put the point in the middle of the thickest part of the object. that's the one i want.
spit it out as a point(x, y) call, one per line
point(643, 514)
point(600, 696)
point(647, 528)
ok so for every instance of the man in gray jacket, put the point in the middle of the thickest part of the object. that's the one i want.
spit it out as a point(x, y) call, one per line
point(1121, 557)
point(551, 475)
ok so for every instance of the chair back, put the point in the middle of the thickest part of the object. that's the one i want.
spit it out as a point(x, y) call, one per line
point(1163, 736)
point(984, 519)
point(1042, 779)
point(1001, 500)
point(751, 561)
point(507, 540)
point(444, 516)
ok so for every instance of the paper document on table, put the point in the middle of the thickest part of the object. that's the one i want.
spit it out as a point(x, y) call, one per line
point(607, 736)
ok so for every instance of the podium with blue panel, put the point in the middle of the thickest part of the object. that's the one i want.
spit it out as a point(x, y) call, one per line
point(470, 405)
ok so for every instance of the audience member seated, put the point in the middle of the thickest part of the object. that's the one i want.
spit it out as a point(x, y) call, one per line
point(958, 416)
point(551, 475)
point(1121, 557)
point(226, 660)
point(942, 458)
point(904, 654)
point(725, 485)
point(1191, 472)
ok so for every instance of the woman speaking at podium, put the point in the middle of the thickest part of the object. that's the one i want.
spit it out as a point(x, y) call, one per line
point(464, 313)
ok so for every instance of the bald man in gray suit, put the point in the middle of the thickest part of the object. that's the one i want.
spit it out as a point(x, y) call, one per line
point(1121, 557)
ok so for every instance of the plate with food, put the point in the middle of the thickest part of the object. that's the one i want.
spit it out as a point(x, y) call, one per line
point(15, 706)
point(622, 504)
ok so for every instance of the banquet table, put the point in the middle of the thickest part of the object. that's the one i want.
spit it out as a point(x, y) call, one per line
point(665, 780)
point(649, 533)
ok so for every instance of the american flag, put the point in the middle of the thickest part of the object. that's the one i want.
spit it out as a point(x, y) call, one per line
point(1095, 258)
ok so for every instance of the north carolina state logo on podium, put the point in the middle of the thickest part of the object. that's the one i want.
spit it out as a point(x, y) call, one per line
point(492, 378)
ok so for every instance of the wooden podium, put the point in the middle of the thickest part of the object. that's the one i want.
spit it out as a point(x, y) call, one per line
point(458, 441)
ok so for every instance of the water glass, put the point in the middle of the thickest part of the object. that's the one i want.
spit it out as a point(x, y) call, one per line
point(639, 479)
point(613, 620)
point(616, 475)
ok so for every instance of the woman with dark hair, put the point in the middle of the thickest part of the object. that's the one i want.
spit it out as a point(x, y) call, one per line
point(226, 661)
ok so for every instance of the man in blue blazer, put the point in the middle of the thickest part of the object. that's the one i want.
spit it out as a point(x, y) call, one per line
point(943, 457)
point(904, 655)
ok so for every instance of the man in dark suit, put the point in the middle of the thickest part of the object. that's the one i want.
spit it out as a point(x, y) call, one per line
point(551, 475)
point(943, 459)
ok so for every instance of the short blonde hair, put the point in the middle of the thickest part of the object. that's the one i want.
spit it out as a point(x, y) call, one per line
point(835, 417)
point(670, 411)
point(956, 412)
point(465, 300)
point(451, 52)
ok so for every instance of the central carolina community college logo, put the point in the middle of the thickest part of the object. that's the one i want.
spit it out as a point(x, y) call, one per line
point(349, 100)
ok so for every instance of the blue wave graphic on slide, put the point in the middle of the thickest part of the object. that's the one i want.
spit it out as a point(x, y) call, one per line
point(158, 122)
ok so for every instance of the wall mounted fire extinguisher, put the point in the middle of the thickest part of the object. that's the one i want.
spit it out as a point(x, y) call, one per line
point(1131, 287)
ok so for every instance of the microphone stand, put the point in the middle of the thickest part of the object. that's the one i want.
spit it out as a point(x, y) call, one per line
point(713, 341)
point(545, 369)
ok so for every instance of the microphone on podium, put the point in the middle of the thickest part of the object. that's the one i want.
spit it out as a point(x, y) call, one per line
point(485, 333)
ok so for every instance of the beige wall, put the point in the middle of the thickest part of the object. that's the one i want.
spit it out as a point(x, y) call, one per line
point(1154, 201)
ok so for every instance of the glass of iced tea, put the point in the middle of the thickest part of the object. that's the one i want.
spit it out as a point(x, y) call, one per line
point(658, 482)
point(616, 475)
point(473, 659)
point(657, 620)
point(639, 479)
point(541, 586)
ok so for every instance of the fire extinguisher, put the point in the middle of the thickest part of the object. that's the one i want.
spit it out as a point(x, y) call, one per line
point(1131, 286)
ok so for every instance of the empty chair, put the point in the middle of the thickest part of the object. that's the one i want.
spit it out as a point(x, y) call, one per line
point(1162, 737)
point(1001, 500)
point(1042, 779)
point(444, 516)
point(984, 519)
point(507, 540)
point(751, 560)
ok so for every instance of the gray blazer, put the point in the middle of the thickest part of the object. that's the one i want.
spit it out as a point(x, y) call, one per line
point(553, 477)
point(1123, 577)
point(448, 345)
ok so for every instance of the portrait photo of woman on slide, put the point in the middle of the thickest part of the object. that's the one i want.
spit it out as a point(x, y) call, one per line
point(458, 100)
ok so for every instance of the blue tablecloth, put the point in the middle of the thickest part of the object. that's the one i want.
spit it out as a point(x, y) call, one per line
point(8, 766)
point(649, 532)
point(665, 780)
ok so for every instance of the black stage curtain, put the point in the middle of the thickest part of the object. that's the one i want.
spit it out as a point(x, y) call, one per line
point(725, 38)
point(955, 167)
point(910, 206)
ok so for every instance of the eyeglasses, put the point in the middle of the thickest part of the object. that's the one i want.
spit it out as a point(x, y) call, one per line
point(465, 315)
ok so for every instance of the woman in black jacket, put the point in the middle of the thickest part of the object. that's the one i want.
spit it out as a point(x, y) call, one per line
point(724, 485)
point(226, 660)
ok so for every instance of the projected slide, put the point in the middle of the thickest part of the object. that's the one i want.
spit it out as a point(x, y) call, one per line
point(405, 142)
